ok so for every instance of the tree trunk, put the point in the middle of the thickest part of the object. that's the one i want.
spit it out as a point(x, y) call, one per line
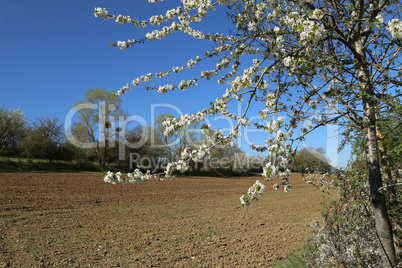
point(104, 158)
point(389, 181)
point(98, 156)
point(382, 222)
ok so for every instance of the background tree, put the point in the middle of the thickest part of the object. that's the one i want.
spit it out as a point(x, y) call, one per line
point(310, 160)
point(97, 124)
point(137, 143)
point(44, 139)
point(227, 160)
point(12, 128)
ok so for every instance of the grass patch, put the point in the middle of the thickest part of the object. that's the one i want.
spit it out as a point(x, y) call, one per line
point(25, 164)
point(206, 235)
point(300, 258)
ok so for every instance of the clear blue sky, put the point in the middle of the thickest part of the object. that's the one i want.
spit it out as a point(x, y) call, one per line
point(52, 52)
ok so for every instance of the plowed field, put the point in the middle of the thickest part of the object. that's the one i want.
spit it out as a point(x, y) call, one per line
point(76, 220)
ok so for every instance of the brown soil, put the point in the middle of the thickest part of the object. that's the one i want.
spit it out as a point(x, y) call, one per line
point(76, 220)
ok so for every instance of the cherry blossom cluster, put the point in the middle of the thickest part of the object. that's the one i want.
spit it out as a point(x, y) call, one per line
point(395, 28)
point(309, 31)
point(179, 165)
point(102, 13)
point(157, 35)
point(323, 182)
point(183, 85)
point(136, 176)
point(252, 194)
point(154, 20)
point(269, 171)
point(173, 124)
point(199, 155)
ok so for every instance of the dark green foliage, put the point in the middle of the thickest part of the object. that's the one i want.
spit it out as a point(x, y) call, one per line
point(44, 140)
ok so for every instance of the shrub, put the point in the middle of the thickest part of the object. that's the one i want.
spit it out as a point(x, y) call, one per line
point(346, 236)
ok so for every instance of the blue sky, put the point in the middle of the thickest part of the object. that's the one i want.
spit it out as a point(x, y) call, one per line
point(52, 52)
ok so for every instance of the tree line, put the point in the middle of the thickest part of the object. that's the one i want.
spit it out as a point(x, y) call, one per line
point(98, 143)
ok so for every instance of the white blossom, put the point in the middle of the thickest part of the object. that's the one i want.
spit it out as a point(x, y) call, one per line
point(395, 28)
